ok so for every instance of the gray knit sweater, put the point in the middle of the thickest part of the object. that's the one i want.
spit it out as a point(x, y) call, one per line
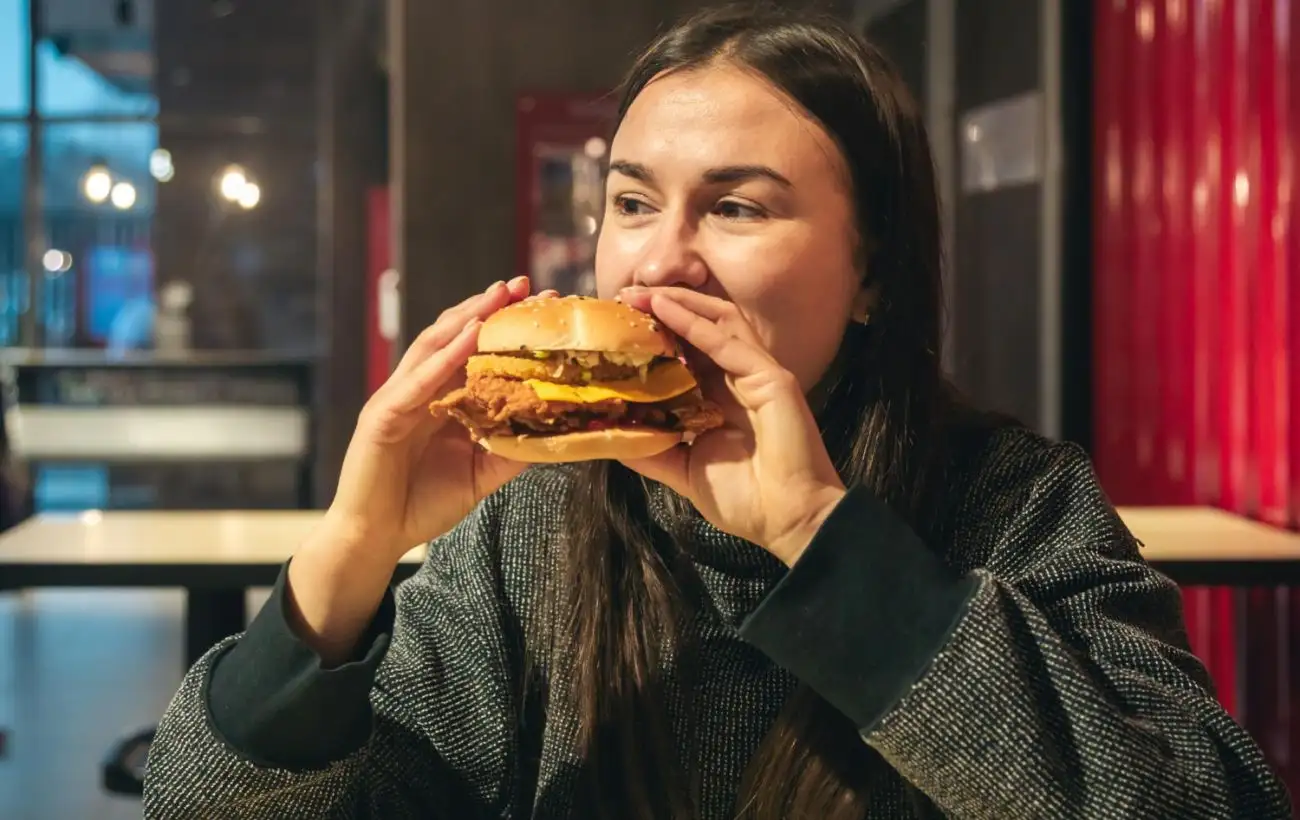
point(1029, 665)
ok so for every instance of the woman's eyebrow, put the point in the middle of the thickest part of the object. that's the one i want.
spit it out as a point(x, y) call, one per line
point(727, 174)
point(635, 170)
point(731, 174)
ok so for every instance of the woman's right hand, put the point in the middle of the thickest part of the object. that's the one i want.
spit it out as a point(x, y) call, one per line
point(408, 477)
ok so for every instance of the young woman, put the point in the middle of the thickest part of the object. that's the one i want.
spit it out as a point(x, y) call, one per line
point(856, 600)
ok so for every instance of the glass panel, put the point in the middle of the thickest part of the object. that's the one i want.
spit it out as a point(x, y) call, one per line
point(100, 194)
point(96, 58)
point(13, 57)
point(238, 224)
point(13, 282)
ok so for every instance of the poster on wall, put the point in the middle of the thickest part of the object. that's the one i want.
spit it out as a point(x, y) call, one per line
point(562, 160)
point(119, 294)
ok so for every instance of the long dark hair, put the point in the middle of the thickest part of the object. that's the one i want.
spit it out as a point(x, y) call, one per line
point(882, 403)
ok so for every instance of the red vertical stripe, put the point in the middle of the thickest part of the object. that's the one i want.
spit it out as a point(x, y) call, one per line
point(1209, 612)
point(1144, 215)
point(1290, 207)
point(1177, 352)
point(1232, 373)
point(1269, 390)
point(1207, 28)
point(1111, 311)
point(1206, 21)
point(1157, 380)
point(379, 351)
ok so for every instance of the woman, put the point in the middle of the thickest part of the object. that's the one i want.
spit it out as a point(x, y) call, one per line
point(855, 600)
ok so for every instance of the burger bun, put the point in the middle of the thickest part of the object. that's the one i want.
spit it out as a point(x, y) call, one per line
point(617, 443)
point(575, 323)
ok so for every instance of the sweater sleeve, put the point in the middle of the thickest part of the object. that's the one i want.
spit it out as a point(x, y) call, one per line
point(259, 729)
point(1049, 678)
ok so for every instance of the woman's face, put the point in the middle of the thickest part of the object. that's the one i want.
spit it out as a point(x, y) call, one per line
point(719, 183)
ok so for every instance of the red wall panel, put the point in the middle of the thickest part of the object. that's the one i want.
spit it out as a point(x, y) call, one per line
point(1197, 285)
point(379, 350)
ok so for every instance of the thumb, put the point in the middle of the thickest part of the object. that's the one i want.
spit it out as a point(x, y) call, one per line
point(670, 468)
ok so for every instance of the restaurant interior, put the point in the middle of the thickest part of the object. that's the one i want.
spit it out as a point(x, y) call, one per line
point(221, 222)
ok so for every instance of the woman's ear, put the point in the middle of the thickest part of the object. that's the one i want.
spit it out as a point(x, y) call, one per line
point(864, 304)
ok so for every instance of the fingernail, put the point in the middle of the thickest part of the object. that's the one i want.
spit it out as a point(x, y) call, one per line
point(518, 280)
point(494, 286)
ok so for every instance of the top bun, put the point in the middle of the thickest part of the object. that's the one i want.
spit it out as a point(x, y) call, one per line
point(575, 323)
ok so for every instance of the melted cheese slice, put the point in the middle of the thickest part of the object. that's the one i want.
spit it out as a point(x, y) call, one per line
point(663, 382)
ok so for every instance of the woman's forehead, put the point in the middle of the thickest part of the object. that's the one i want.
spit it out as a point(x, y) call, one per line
point(722, 115)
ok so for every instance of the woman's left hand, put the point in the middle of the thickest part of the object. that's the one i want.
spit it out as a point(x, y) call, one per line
point(765, 476)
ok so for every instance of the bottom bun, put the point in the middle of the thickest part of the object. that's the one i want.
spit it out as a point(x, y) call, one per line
point(591, 445)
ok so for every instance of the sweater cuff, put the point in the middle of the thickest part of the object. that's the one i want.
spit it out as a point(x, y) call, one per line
point(270, 699)
point(863, 612)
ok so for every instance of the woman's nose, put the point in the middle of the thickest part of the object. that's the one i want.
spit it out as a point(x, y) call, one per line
point(671, 259)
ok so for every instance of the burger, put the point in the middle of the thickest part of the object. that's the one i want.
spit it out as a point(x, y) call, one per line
point(577, 379)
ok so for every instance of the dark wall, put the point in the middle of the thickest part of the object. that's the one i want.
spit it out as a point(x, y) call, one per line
point(352, 116)
point(1076, 228)
point(901, 32)
point(997, 330)
point(237, 83)
point(457, 69)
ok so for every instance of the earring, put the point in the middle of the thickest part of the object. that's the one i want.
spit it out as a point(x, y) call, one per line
point(863, 304)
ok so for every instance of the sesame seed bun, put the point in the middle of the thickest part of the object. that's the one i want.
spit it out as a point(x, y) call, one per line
point(575, 323)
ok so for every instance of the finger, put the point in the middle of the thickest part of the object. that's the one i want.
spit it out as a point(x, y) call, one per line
point(549, 293)
point(670, 468)
point(710, 307)
point(518, 287)
point(426, 380)
point(737, 356)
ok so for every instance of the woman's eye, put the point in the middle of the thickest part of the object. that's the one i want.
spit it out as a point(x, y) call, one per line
point(731, 209)
point(629, 206)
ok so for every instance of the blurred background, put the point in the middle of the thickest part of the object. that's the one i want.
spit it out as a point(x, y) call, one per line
point(219, 220)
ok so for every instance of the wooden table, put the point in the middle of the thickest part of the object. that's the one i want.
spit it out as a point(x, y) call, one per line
point(1202, 545)
point(215, 556)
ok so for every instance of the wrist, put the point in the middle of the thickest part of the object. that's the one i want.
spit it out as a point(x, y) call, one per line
point(344, 534)
point(335, 584)
point(789, 547)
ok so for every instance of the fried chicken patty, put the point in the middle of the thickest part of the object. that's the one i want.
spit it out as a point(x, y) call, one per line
point(494, 405)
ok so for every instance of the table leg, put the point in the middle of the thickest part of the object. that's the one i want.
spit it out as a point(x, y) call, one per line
point(211, 615)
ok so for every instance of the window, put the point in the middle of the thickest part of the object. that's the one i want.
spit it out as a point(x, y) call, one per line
point(98, 211)
point(95, 59)
point(13, 277)
point(96, 182)
point(14, 57)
